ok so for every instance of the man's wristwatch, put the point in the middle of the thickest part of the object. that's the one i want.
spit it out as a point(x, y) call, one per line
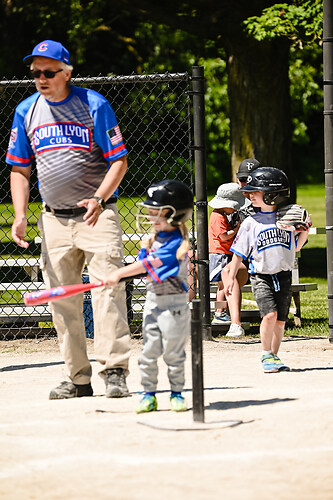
point(100, 201)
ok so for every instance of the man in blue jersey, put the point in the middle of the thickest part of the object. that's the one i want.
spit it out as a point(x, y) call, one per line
point(73, 135)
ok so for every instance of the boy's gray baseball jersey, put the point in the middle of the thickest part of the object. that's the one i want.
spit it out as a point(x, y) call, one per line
point(268, 248)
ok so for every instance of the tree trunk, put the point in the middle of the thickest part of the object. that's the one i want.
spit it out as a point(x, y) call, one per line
point(259, 103)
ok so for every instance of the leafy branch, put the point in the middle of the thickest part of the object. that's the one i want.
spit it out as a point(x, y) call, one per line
point(301, 22)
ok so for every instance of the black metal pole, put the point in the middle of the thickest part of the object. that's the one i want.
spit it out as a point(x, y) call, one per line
point(197, 367)
point(328, 145)
point(201, 196)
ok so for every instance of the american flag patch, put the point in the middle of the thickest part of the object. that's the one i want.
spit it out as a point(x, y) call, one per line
point(13, 137)
point(115, 135)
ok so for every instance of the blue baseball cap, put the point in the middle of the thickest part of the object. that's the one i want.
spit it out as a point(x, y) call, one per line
point(51, 49)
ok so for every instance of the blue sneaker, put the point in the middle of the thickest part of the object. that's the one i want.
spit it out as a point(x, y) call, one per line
point(281, 366)
point(147, 403)
point(269, 364)
point(178, 403)
point(221, 319)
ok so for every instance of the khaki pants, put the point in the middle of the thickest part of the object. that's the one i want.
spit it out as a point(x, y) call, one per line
point(67, 245)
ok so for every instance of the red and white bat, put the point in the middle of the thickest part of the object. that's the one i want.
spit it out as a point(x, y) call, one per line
point(57, 292)
point(61, 292)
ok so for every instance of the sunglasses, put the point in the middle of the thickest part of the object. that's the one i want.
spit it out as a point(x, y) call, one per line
point(47, 73)
point(242, 179)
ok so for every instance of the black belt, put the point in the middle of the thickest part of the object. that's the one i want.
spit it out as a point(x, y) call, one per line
point(74, 212)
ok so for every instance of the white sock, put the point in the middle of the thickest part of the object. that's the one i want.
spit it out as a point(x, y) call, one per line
point(264, 353)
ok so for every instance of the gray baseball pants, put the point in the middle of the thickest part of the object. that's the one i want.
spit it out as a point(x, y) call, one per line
point(166, 328)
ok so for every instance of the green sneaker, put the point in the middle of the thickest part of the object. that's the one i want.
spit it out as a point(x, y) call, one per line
point(178, 403)
point(269, 364)
point(147, 403)
point(281, 366)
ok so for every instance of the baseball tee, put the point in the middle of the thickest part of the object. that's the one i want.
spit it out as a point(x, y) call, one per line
point(269, 249)
point(73, 142)
point(169, 275)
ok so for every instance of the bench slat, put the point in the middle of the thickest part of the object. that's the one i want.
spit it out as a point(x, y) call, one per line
point(29, 285)
point(22, 310)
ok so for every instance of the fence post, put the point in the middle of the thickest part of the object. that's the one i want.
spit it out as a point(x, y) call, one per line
point(201, 196)
point(197, 368)
point(328, 146)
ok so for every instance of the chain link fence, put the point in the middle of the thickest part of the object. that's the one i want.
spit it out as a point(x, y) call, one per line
point(154, 113)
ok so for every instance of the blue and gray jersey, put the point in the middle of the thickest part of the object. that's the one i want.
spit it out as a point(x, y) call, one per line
point(168, 274)
point(73, 142)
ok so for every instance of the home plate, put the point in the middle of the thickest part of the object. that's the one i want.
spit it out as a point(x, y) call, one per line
point(183, 422)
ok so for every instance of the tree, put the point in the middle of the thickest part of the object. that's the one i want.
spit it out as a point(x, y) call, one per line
point(257, 64)
point(246, 48)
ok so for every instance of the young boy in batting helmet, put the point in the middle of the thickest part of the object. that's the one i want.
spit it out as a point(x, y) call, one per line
point(271, 255)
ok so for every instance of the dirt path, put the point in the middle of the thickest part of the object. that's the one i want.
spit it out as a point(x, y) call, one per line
point(94, 448)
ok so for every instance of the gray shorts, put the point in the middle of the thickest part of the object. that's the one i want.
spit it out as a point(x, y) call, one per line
point(217, 261)
point(272, 292)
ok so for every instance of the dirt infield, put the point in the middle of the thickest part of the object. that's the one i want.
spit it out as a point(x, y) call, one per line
point(97, 448)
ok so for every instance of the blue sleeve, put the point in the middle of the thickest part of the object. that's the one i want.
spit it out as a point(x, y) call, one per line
point(19, 152)
point(167, 254)
point(107, 133)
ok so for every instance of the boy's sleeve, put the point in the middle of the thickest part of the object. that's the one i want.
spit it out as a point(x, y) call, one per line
point(241, 244)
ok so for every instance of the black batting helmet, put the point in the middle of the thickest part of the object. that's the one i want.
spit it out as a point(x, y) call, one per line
point(272, 181)
point(171, 194)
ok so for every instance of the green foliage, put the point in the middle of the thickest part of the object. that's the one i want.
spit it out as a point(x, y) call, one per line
point(305, 89)
point(217, 122)
point(165, 56)
point(85, 21)
point(121, 38)
point(301, 22)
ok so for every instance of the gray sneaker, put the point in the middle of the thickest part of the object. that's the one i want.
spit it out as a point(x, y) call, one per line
point(235, 331)
point(115, 382)
point(67, 390)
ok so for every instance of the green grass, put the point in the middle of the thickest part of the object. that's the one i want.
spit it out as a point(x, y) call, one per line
point(314, 311)
point(313, 265)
